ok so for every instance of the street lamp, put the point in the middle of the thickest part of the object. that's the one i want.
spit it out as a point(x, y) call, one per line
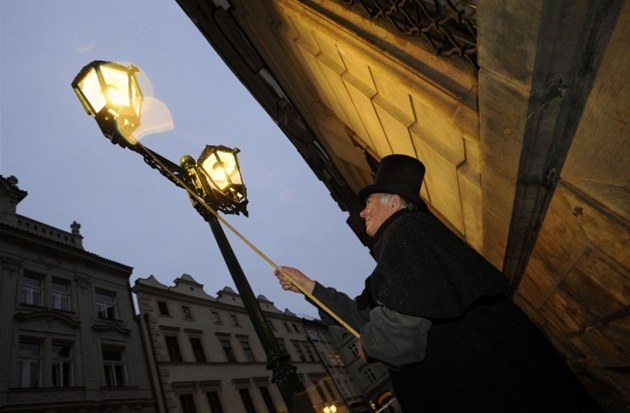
point(110, 93)
point(217, 177)
point(330, 409)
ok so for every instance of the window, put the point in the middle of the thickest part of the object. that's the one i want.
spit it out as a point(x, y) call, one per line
point(309, 352)
point(329, 388)
point(272, 325)
point(114, 366)
point(163, 308)
point(234, 319)
point(323, 358)
point(334, 359)
point(283, 348)
point(320, 391)
point(215, 318)
point(227, 348)
point(172, 345)
point(298, 350)
point(188, 403)
point(197, 348)
point(247, 401)
point(187, 313)
point(353, 349)
point(313, 335)
point(60, 295)
point(286, 327)
point(267, 398)
point(32, 290)
point(247, 351)
point(106, 305)
point(42, 290)
point(295, 328)
point(214, 402)
point(61, 358)
point(367, 372)
point(29, 364)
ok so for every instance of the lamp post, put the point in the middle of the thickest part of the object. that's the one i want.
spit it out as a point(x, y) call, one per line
point(110, 93)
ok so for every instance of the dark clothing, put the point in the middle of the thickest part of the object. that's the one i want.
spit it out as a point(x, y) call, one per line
point(424, 270)
point(493, 359)
point(482, 352)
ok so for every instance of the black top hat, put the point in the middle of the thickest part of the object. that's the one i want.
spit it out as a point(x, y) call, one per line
point(397, 174)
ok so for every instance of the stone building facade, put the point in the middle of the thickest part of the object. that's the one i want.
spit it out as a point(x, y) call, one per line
point(69, 338)
point(209, 359)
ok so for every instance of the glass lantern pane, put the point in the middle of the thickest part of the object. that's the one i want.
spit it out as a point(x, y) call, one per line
point(117, 82)
point(91, 89)
point(231, 168)
point(214, 169)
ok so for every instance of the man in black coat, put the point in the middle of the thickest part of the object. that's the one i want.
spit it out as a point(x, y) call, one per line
point(436, 313)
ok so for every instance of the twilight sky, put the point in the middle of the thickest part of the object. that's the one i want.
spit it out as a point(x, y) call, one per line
point(128, 212)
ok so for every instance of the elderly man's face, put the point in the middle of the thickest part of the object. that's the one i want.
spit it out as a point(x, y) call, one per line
point(376, 212)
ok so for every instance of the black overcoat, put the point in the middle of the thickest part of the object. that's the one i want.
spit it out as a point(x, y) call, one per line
point(483, 353)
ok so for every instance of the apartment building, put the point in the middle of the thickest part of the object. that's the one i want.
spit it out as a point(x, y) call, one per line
point(208, 356)
point(69, 338)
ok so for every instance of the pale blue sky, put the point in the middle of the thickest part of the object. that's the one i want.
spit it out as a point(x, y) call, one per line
point(128, 212)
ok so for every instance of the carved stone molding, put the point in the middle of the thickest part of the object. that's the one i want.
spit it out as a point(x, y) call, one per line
point(11, 265)
point(111, 325)
point(82, 281)
point(47, 316)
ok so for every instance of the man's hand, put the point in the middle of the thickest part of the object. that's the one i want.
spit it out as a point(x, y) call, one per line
point(283, 273)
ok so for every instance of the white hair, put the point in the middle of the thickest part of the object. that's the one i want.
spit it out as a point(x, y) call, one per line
point(405, 204)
